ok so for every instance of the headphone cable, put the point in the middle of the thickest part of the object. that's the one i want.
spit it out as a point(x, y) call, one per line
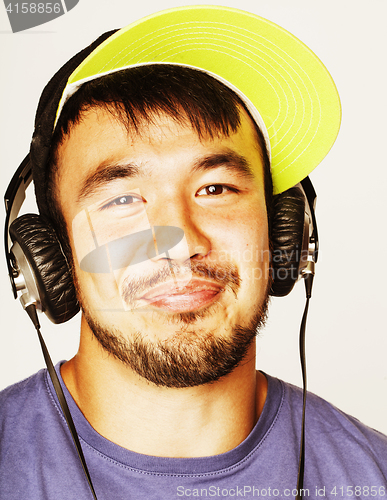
point(31, 310)
point(301, 464)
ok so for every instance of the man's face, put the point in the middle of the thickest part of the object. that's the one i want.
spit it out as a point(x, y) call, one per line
point(170, 242)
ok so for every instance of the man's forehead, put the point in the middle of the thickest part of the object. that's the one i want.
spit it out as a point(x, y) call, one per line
point(98, 126)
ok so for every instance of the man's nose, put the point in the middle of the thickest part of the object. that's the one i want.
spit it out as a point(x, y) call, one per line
point(194, 243)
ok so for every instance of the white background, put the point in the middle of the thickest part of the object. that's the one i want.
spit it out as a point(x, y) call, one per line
point(346, 333)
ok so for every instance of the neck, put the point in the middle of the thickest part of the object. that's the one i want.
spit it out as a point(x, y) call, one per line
point(137, 415)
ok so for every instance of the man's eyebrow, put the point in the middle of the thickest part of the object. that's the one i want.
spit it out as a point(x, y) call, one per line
point(105, 173)
point(108, 171)
point(230, 160)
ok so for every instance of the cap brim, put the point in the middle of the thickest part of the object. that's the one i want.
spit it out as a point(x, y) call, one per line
point(282, 78)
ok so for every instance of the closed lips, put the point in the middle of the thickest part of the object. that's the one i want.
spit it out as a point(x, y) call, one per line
point(182, 296)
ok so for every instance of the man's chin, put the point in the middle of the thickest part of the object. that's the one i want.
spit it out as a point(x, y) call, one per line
point(192, 355)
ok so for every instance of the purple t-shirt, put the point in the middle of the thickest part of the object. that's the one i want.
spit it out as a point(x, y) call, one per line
point(38, 461)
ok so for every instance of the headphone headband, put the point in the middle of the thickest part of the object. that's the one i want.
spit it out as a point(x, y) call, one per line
point(45, 119)
point(14, 198)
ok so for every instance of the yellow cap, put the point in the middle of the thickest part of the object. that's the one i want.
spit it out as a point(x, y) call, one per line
point(281, 80)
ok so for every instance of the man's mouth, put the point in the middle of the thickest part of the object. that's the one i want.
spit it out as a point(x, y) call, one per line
point(176, 297)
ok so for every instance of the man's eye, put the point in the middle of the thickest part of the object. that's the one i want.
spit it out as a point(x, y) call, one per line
point(122, 201)
point(213, 190)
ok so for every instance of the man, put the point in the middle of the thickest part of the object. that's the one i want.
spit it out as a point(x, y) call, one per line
point(155, 178)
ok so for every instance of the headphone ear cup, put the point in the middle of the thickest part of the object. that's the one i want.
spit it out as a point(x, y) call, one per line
point(286, 236)
point(40, 245)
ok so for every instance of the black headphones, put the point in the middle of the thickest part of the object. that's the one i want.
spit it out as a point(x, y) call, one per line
point(40, 273)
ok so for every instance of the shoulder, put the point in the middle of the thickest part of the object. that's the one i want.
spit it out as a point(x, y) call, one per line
point(29, 416)
point(333, 435)
point(326, 417)
point(21, 402)
point(35, 443)
point(24, 387)
point(19, 392)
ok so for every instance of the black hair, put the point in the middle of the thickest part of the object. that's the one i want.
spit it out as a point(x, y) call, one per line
point(139, 95)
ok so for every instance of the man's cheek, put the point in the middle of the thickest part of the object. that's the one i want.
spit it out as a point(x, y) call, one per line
point(255, 265)
point(101, 291)
point(84, 241)
point(112, 251)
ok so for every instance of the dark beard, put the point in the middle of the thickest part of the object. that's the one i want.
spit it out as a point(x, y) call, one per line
point(191, 357)
point(188, 359)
